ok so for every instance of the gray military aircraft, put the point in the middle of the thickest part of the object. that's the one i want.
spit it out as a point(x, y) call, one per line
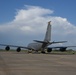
point(39, 45)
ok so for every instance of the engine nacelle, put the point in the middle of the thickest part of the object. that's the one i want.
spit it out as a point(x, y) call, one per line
point(49, 49)
point(62, 49)
point(7, 48)
point(18, 49)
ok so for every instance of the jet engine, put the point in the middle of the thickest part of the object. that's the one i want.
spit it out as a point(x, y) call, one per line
point(18, 49)
point(49, 49)
point(62, 49)
point(7, 48)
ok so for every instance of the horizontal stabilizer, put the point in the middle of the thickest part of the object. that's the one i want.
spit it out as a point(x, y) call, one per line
point(39, 41)
point(49, 42)
point(58, 42)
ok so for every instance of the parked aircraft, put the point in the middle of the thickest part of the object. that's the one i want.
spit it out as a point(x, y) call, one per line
point(39, 45)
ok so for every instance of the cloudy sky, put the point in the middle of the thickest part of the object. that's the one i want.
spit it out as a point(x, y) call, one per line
point(22, 21)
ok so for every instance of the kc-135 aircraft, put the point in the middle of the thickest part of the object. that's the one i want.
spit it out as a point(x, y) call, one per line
point(40, 45)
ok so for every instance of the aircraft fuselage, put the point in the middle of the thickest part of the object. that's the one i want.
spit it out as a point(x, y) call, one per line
point(35, 46)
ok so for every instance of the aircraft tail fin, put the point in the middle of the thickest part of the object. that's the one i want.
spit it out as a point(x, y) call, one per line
point(48, 33)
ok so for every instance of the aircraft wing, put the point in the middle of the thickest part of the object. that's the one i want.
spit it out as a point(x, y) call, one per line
point(62, 46)
point(15, 46)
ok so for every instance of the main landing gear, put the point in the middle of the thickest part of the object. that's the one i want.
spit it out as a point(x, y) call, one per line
point(43, 52)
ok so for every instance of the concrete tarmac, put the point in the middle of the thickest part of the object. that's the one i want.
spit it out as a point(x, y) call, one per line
point(13, 63)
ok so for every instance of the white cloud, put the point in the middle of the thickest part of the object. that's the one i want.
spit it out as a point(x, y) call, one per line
point(32, 21)
point(31, 12)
